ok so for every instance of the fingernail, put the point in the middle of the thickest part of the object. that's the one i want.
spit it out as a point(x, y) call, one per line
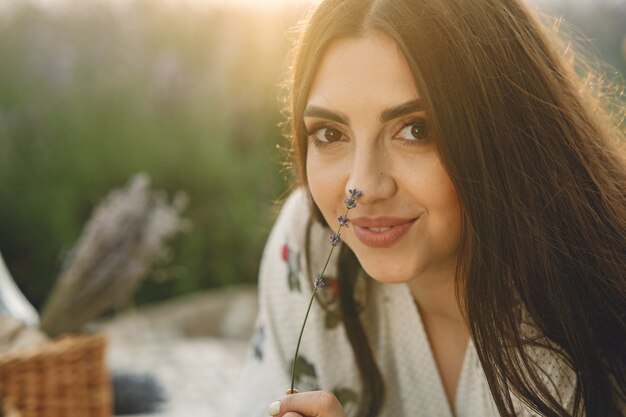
point(291, 391)
point(274, 408)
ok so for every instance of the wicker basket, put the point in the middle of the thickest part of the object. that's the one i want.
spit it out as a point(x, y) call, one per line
point(64, 378)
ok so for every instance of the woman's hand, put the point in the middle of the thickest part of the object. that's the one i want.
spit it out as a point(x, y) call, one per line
point(308, 404)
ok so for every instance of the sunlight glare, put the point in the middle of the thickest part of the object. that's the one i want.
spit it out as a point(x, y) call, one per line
point(252, 4)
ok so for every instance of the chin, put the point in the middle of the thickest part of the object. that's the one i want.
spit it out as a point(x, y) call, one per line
point(387, 274)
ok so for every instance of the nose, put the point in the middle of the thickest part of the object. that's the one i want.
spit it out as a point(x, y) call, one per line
point(371, 174)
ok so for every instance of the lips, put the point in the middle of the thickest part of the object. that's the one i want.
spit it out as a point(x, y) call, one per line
point(381, 232)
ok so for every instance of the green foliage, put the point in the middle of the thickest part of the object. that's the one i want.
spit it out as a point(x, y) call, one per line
point(91, 94)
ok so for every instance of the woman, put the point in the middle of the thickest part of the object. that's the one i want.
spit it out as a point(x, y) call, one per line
point(482, 273)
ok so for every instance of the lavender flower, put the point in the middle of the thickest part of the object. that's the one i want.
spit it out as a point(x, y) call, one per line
point(355, 193)
point(319, 282)
point(335, 238)
point(343, 221)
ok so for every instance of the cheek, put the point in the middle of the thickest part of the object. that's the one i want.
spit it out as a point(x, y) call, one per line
point(450, 199)
point(450, 211)
point(326, 182)
point(432, 188)
point(445, 193)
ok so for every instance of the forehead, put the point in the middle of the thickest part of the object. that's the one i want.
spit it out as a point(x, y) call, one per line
point(368, 69)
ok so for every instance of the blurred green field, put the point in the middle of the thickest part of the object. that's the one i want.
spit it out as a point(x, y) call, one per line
point(92, 93)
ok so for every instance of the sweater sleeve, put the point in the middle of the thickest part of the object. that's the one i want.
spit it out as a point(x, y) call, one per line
point(283, 290)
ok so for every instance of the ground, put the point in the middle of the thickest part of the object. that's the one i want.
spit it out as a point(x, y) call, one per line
point(195, 347)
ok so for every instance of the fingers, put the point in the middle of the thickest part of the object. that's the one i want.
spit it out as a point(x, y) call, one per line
point(274, 408)
point(308, 404)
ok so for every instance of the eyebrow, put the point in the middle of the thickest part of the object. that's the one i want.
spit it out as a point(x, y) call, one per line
point(409, 107)
point(335, 116)
point(391, 113)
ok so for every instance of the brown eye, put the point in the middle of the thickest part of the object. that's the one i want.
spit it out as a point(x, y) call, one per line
point(418, 129)
point(332, 135)
point(327, 135)
point(414, 131)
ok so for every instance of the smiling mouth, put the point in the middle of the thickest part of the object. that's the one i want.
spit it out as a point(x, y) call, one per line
point(381, 232)
point(378, 229)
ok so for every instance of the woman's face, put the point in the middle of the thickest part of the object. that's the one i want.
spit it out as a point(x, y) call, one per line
point(366, 129)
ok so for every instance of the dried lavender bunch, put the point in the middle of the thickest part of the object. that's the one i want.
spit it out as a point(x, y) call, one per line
point(335, 239)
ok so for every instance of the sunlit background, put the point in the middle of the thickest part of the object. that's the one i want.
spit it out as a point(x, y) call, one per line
point(186, 91)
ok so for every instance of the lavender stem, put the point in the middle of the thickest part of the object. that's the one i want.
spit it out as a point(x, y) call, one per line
point(295, 359)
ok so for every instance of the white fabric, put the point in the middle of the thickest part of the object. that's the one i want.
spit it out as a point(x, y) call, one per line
point(413, 386)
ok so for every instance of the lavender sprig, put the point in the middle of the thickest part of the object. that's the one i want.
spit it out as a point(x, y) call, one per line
point(335, 239)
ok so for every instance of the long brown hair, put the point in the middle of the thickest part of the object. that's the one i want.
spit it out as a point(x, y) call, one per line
point(541, 181)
